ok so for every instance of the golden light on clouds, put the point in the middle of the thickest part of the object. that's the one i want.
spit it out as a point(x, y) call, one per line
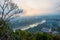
point(32, 12)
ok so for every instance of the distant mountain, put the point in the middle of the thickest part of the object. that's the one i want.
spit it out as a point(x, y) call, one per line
point(54, 26)
point(52, 21)
point(25, 21)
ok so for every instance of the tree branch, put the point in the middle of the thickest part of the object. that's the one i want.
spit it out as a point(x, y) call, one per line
point(1, 6)
point(10, 16)
point(2, 11)
point(8, 13)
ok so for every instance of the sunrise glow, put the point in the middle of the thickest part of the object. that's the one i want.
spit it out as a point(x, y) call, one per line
point(40, 7)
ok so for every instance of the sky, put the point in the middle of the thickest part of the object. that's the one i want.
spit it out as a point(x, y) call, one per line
point(34, 8)
point(38, 7)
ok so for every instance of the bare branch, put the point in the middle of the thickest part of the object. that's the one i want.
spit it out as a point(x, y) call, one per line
point(8, 13)
point(12, 18)
point(2, 11)
point(7, 2)
point(14, 13)
point(1, 6)
point(11, 8)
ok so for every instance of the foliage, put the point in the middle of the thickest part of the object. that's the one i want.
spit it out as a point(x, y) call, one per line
point(5, 30)
point(58, 30)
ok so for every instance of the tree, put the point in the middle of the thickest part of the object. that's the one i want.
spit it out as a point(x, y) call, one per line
point(5, 30)
point(8, 10)
point(43, 36)
point(23, 35)
point(58, 30)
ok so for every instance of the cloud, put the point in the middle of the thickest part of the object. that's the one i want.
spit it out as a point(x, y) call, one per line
point(38, 7)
